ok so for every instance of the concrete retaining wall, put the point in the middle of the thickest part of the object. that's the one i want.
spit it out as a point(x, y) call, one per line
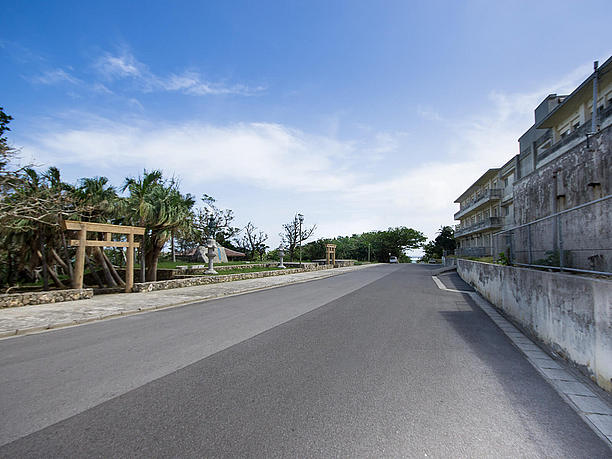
point(11, 300)
point(571, 314)
point(201, 280)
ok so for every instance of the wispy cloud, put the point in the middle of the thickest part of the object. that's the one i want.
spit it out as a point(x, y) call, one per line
point(55, 76)
point(124, 65)
point(428, 114)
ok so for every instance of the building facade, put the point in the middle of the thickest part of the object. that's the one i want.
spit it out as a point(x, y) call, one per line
point(553, 196)
point(479, 215)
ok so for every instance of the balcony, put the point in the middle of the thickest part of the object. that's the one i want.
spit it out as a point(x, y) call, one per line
point(489, 223)
point(482, 198)
point(576, 134)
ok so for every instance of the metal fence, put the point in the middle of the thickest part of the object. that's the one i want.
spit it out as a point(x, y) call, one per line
point(577, 239)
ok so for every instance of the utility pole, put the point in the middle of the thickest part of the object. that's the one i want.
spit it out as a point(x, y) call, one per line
point(369, 246)
point(301, 220)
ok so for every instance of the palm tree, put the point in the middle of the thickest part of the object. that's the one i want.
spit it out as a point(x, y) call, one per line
point(97, 200)
point(158, 205)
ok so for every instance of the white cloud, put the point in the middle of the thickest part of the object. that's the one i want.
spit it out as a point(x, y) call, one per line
point(125, 66)
point(55, 76)
point(119, 66)
point(428, 114)
point(334, 182)
point(269, 155)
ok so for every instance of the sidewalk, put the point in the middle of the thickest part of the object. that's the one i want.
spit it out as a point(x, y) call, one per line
point(33, 318)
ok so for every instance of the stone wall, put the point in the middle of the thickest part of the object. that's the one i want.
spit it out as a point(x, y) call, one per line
point(571, 314)
point(11, 300)
point(202, 280)
point(340, 263)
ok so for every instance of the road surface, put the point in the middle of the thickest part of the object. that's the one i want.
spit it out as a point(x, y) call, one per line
point(374, 363)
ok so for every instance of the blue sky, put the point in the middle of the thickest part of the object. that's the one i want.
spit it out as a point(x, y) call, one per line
point(360, 115)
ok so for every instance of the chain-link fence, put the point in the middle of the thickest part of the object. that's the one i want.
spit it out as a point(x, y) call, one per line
point(577, 239)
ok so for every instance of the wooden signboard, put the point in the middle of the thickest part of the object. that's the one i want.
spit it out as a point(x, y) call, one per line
point(82, 242)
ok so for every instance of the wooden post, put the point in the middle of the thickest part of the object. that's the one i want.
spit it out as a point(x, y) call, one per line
point(79, 267)
point(129, 265)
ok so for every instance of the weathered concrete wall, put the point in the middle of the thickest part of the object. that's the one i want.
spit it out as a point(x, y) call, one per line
point(570, 314)
point(201, 280)
point(11, 300)
point(579, 175)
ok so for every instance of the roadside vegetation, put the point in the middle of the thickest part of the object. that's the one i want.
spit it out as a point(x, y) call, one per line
point(35, 250)
point(444, 243)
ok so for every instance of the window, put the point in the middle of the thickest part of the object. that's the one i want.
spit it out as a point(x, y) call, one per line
point(505, 182)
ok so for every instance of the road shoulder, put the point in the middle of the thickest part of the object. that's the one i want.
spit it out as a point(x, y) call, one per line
point(42, 317)
point(594, 409)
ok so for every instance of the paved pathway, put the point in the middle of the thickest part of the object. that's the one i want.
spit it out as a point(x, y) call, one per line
point(39, 317)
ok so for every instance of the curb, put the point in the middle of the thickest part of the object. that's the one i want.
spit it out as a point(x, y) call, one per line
point(570, 388)
point(73, 323)
point(444, 270)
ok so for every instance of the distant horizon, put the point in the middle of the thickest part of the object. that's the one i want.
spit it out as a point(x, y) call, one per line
point(359, 116)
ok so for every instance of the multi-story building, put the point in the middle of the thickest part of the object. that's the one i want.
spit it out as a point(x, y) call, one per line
point(480, 214)
point(564, 163)
point(550, 200)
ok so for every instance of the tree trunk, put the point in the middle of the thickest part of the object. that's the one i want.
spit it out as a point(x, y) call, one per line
point(113, 271)
point(10, 269)
point(55, 278)
point(152, 258)
point(94, 272)
point(43, 258)
point(173, 251)
point(107, 274)
point(68, 262)
point(143, 265)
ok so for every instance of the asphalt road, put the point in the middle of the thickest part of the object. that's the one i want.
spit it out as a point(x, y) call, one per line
point(376, 363)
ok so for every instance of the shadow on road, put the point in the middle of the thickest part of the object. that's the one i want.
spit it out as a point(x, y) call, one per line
point(521, 384)
point(452, 280)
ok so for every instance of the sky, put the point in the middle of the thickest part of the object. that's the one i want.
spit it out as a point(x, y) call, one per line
point(361, 115)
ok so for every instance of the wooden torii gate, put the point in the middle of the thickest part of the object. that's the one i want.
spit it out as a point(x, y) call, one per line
point(82, 242)
point(330, 254)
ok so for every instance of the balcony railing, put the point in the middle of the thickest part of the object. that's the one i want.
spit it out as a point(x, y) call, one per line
point(580, 132)
point(485, 224)
point(481, 198)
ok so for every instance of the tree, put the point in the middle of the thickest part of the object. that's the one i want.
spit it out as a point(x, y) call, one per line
point(253, 242)
point(158, 205)
point(294, 234)
point(393, 242)
point(445, 241)
point(210, 221)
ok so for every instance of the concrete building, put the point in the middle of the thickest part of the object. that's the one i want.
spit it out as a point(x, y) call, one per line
point(479, 215)
point(564, 163)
